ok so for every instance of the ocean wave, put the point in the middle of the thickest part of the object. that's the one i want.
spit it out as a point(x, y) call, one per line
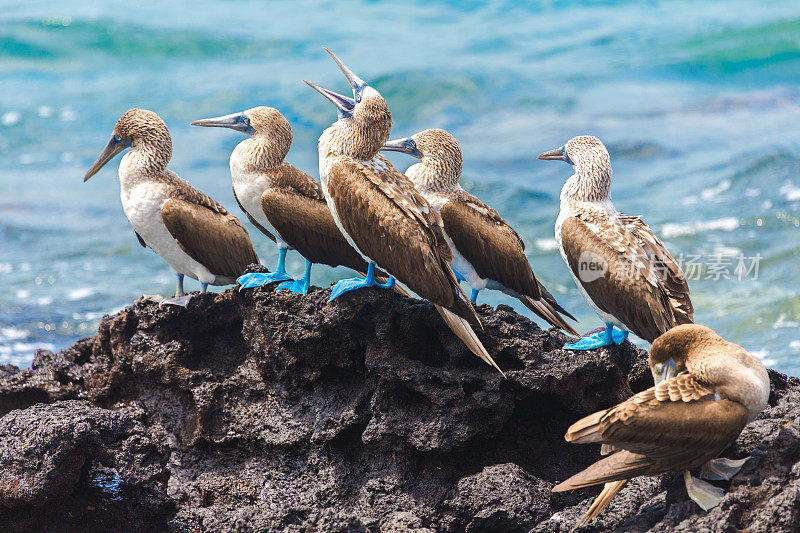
point(670, 230)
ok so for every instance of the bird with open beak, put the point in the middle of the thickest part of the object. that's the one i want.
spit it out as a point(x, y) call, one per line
point(706, 390)
point(188, 229)
point(625, 272)
point(377, 208)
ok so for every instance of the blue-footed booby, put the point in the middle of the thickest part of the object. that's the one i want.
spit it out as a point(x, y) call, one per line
point(624, 271)
point(707, 389)
point(377, 208)
point(276, 195)
point(188, 229)
point(487, 252)
point(280, 199)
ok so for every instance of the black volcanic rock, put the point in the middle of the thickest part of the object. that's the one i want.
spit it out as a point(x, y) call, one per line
point(256, 411)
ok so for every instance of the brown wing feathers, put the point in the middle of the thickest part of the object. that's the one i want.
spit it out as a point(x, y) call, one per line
point(491, 246)
point(217, 241)
point(409, 242)
point(673, 426)
point(624, 290)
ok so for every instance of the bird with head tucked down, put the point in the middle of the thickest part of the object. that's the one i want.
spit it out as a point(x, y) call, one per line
point(707, 389)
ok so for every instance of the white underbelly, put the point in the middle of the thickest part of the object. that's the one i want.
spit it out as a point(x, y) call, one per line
point(335, 215)
point(142, 205)
point(249, 192)
point(605, 317)
point(465, 268)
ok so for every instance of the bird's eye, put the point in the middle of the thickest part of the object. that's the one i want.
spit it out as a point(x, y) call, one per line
point(246, 121)
point(117, 138)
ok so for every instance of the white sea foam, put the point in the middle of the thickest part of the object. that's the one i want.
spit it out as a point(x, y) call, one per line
point(670, 230)
point(713, 192)
point(10, 118)
point(44, 111)
point(546, 245)
point(726, 251)
point(44, 300)
point(794, 346)
point(781, 322)
point(765, 358)
point(790, 191)
point(12, 333)
point(80, 294)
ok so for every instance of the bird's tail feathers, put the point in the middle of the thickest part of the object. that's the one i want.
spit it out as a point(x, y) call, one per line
point(545, 310)
point(603, 499)
point(619, 466)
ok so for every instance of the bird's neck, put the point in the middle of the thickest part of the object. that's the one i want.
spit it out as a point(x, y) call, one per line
point(737, 376)
point(143, 162)
point(588, 184)
point(350, 138)
point(432, 175)
point(255, 155)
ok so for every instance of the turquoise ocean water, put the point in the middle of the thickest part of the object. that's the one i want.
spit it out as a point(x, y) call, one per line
point(698, 103)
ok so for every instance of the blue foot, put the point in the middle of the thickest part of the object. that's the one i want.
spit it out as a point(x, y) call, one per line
point(347, 285)
point(459, 277)
point(605, 337)
point(301, 285)
point(298, 287)
point(351, 284)
point(259, 279)
point(474, 296)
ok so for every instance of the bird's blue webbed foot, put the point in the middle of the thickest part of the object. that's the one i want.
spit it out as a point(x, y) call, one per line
point(599, 338)
point(347, 285)
point(351, 284)
point(259, 279)
point(301, 285)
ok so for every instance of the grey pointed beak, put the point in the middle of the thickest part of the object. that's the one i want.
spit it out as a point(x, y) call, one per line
point(235, 121)
point(664, 371)
point(344, 105)
point(405, 145)
point(355, 82)
point(114, 146)
point(559, 154)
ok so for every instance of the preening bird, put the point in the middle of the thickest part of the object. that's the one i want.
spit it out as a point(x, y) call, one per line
point(284, 202)
point(488, 253)
point(188, 229)
point(707, 389)
point(624, 271)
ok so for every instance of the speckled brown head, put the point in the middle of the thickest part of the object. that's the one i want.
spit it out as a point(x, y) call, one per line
point(266, 125)
point(142, 130)
point(592, 166)
point(674, 348)
point(437, 149)
point(364, 120)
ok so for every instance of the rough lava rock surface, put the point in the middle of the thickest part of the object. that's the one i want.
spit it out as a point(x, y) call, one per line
point(262, 411)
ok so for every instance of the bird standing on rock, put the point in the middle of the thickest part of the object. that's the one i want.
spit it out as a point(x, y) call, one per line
point(488, 252)
point(707, 389)
point(624, 271)
point(188, 229)
point(280, 199)
point(378, 209)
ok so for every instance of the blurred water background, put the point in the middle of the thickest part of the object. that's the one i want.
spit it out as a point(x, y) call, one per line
point(698, 103)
